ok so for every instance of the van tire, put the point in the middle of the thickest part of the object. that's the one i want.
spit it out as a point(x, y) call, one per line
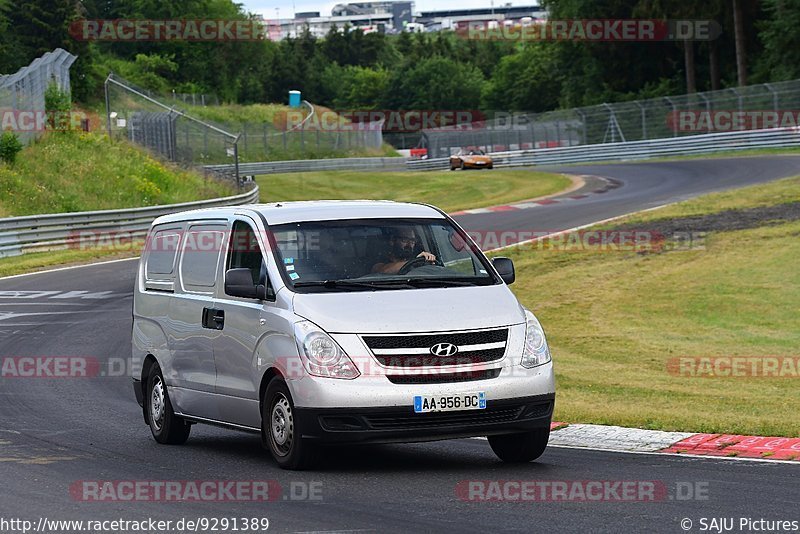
point(279, 429)
point(520, 448)
point(167, 428)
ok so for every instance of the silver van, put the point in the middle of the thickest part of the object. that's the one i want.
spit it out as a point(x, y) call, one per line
point(323, 322)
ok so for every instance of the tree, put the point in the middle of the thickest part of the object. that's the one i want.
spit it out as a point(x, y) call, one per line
point(6, 39)
point(741, 50)
point(781, 57)
point(361, 88)
point(526, 81)
point(435, 83)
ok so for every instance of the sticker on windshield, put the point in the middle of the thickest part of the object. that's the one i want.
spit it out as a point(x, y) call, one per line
point(288, 260)
point(290, 267)
point(294, 276)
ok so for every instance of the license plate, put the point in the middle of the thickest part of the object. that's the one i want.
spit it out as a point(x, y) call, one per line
point(449, 403)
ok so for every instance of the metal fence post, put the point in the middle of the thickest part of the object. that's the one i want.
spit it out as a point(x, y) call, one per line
point(775, 105)
point(200, 143)
point(643, 116)
point(738, 97)
point(108, 106)
point(236, 162)
point(674, 110)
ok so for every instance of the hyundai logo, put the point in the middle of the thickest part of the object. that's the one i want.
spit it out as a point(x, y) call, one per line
point(444, 349)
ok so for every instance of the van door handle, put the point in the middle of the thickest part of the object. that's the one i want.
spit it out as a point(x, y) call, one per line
point(213, 318)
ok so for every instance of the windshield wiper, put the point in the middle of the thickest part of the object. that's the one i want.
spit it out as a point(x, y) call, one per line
point(390, 283)
point(441, 282)
point(345, 284)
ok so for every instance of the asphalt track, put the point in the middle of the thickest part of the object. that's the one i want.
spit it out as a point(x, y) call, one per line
point(55, 432)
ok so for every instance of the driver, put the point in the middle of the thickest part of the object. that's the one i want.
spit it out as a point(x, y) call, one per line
point(401, 250)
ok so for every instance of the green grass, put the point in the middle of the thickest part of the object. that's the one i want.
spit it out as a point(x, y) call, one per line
point(615, 319)
point(745, 153)
point(451, 191)
point(772, 193)
point(259, 121)
point(737, 153)
point(65, 172)
point(236, 114)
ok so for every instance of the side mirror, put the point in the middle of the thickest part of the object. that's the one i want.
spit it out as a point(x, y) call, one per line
point(456, 241)
point(505, 268)
point(239, 283)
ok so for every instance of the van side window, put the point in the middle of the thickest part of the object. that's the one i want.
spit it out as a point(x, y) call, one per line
point(244, 252)
point(202, 246)
point(162, 249)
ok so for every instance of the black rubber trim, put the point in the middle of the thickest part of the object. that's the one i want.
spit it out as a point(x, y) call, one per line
point(397, 424)
point(137, 389)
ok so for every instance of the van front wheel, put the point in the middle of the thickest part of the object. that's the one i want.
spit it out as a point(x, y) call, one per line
point(167, 428)
point(519, 448)
point(280, 430)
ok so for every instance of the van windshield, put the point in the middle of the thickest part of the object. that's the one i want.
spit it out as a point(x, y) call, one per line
point(378, 254)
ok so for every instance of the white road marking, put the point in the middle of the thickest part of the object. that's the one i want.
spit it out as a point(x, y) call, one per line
point(12, 315)
point(84, 295)
point(576, 228)
point(616, 437)
point(26, 294)
point(684, 456)
point(57, 269)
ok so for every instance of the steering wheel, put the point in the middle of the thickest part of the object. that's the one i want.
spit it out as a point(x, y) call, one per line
point(417, 262)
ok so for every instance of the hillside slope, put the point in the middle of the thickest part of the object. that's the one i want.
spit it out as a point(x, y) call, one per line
point(64, 172)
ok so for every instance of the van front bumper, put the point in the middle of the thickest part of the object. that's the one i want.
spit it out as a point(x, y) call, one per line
point(401, 424)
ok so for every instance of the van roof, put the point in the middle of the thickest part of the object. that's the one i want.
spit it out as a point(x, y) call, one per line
point(314, 210)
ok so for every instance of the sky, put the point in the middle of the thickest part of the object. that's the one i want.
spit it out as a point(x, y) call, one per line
point(288, 7)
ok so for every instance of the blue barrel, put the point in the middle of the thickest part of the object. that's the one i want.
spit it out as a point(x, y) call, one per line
point(294, 99)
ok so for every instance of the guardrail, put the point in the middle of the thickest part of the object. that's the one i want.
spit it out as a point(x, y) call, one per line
point(312, 111)
point(654, 148)
point(37, 233)
point(307, 165)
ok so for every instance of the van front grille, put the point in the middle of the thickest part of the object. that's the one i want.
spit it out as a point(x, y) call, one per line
point(441, 419)
point(444, 378)
point(417, 350)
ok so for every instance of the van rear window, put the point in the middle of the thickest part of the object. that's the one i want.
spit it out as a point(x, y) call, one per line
point(201, 251)
point(162, 249)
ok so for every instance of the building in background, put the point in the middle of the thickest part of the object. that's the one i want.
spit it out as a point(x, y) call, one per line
point(451, 19)
point(383, 17)
point(393, 16)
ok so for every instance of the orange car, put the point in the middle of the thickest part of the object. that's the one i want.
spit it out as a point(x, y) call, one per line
point(471, 158)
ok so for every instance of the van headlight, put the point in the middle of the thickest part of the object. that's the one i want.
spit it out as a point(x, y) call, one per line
point(321, 355)
point(536, 352)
